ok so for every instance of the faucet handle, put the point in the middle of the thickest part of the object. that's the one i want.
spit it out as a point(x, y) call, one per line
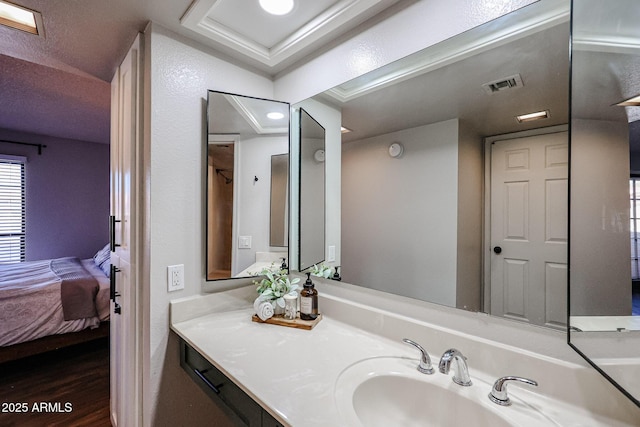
point(425, 361)
point(499, 390)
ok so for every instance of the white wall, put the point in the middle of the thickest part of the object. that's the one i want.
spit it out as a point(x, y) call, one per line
point(399, 215)
point(599, 219)
point(178, 74)
point(254, 197)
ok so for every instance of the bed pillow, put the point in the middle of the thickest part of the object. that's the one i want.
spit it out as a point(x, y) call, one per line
point(102, 258)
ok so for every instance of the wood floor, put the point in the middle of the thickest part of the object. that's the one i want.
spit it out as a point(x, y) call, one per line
point(66, 387)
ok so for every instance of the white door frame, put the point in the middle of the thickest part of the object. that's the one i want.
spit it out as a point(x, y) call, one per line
point(486, 229)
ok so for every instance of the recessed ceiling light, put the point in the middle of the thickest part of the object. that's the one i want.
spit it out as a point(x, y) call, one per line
point(533, 116)
point(631, 102)
point(277, 7)
point(275, 115)
point(19, 18)
point(344, 129)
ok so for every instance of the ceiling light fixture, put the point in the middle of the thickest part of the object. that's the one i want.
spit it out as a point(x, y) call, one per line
point(631, 102)
point(20, 18)
point(275, 115)
point(533, 116)
point(344, 129)
point(277, 7)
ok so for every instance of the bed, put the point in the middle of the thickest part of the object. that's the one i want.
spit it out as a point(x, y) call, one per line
point(52, 298)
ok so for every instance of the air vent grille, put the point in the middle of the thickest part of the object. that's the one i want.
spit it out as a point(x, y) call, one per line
point(505, 83)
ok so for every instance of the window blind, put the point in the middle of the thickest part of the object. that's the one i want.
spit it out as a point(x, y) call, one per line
point(12, 210)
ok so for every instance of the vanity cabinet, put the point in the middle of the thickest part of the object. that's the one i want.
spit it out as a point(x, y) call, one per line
point(236, 403)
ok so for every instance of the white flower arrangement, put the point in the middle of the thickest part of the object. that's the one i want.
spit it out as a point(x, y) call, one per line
point(272, 288)
point(322, 270)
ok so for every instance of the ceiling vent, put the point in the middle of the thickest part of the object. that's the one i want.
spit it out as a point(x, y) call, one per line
point(505, 83)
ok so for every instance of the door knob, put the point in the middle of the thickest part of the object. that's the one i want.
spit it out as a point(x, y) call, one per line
point(497, 249)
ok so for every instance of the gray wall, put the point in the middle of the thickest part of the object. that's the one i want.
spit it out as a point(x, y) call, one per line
point(399, 215)
point(599, 218)
point(470, 178)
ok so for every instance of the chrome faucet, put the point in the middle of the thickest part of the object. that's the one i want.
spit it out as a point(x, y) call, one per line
point(499, 390)
point(425, 361)
point(461, 375)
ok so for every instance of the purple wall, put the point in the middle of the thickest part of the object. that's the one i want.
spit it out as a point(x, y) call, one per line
point(67, 189)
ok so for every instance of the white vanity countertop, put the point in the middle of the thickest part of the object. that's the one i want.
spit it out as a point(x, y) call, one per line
point(292, 372)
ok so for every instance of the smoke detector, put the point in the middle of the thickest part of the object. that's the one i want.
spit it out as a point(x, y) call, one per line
point(503, 84)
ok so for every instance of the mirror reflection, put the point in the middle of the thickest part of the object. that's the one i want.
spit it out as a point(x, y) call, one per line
point(312, 191)
point(415, 170)
point(605, 137)
point(279, 219)
point(246, 195)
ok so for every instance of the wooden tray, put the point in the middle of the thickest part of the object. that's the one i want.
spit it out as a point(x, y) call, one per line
point(291, 323)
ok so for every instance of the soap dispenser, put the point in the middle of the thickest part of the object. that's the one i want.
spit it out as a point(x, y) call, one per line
point(308, 300)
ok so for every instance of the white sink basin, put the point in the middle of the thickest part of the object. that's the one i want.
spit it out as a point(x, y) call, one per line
point(389, 391)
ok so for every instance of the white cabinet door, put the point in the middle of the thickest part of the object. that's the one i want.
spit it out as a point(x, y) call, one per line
point(125, 140)
point(529, 224)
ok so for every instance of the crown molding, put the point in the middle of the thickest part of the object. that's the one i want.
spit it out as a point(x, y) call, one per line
point(251, 118)
point(452, 50)
point(201, 18)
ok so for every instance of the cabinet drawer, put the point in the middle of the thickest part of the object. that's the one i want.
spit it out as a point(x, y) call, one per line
point(242, 408)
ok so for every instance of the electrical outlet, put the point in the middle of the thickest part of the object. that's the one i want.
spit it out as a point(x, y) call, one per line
point(175, 277)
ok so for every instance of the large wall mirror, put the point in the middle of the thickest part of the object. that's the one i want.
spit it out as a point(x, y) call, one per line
point(605, 189)
point(426, 137)
point(247, 184)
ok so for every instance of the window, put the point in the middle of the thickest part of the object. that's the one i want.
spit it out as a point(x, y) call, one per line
point(634, 226)
point(12, 209)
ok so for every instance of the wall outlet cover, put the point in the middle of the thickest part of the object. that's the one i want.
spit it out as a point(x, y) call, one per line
point(175, 277)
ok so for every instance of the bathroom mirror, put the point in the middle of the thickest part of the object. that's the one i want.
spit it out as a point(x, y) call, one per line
point(412, 172)
point(312, 192)
point(244, 134)
point(605, 189)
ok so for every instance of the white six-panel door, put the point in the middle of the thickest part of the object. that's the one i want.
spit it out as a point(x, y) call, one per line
point(529, 224)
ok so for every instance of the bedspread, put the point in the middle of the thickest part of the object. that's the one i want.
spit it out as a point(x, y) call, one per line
point(31, 304)
point(78, 288)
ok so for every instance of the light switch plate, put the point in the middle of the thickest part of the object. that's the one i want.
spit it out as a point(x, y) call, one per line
point(244, 242)
point(331, 256)
point(175, 277)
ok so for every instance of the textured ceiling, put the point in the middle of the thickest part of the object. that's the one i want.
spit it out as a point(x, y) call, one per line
point(43, 100)
point(58, 85)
